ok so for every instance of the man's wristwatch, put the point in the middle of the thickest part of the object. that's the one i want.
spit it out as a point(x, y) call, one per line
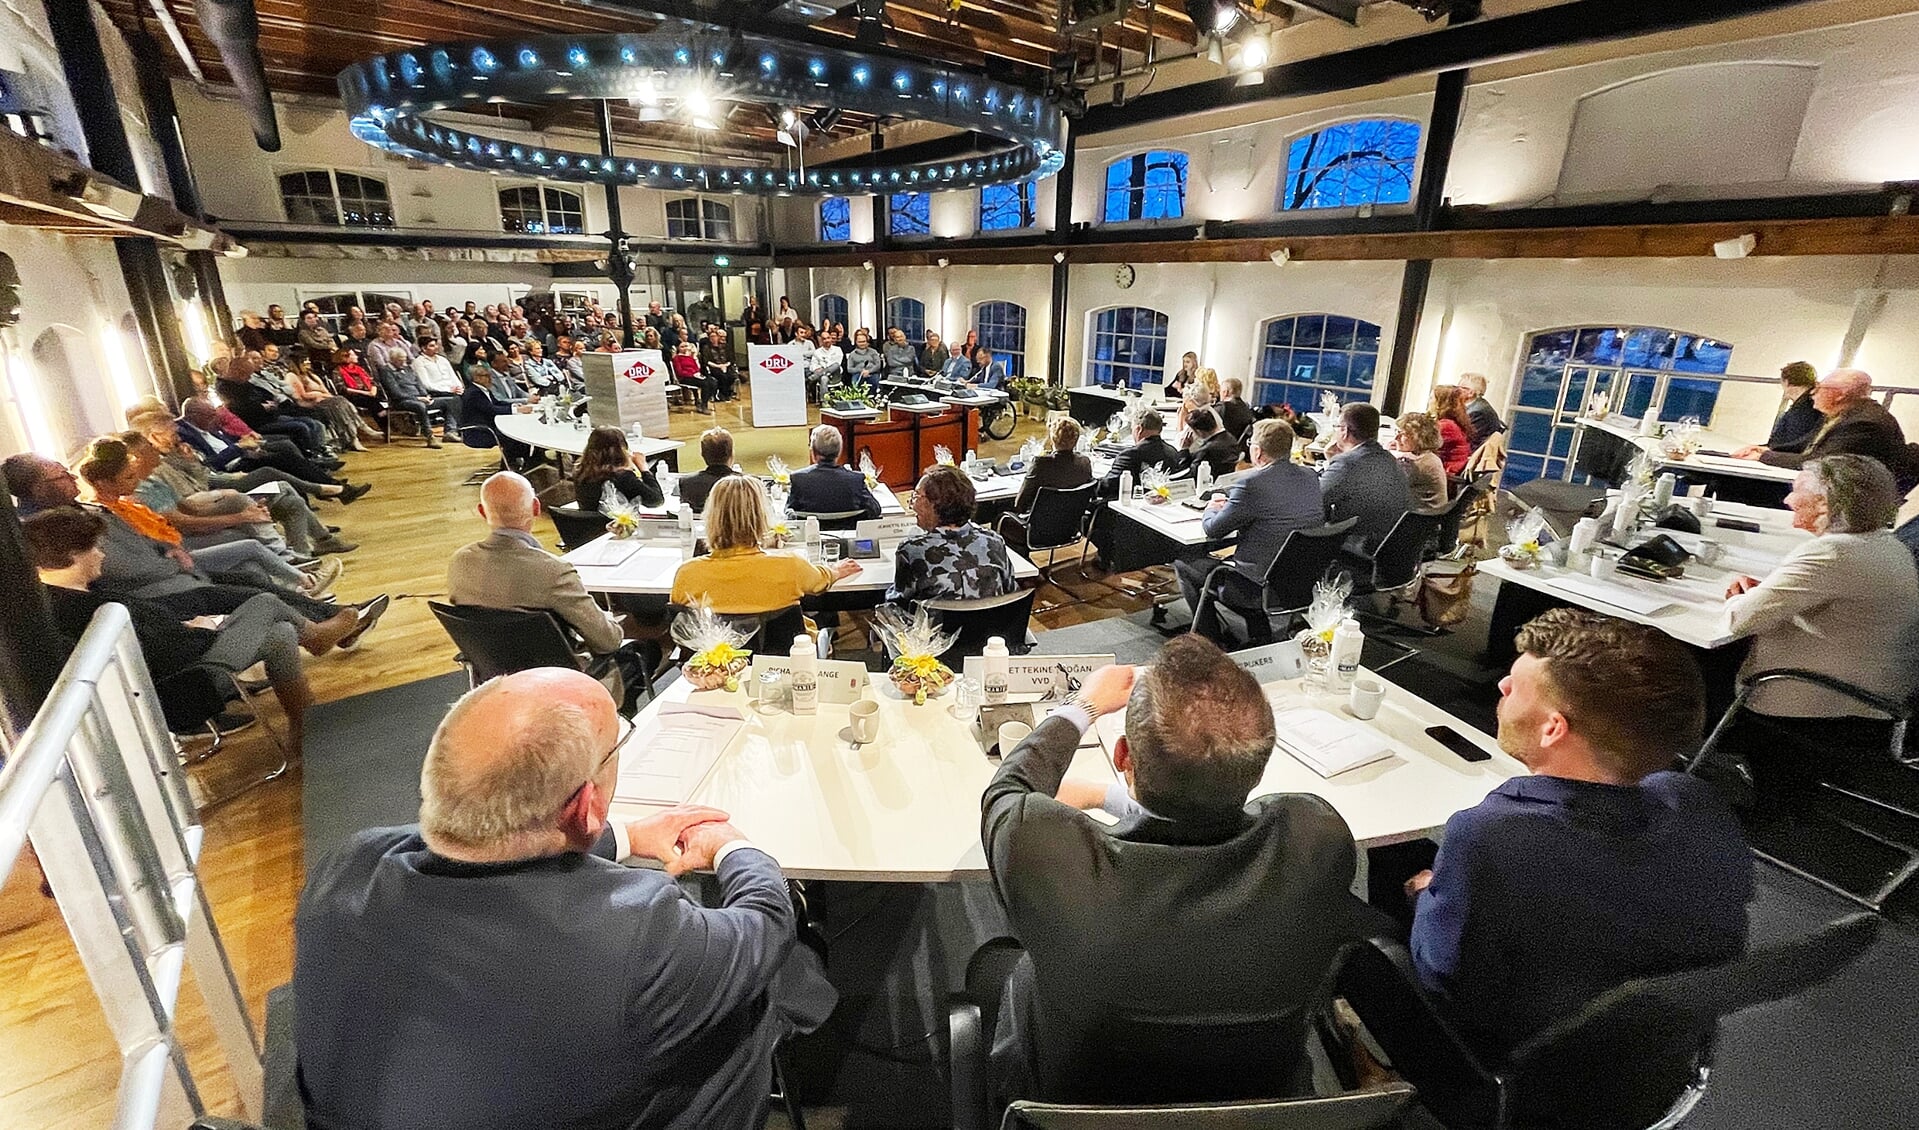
point(1079, 699)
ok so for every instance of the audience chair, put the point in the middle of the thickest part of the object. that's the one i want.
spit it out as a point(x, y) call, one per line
point(1853, 828)
point(192, 698)
point(576, 526)
point(1303, 560)
point(1638, 1056)
point(1393, 566)
point(432, 413)
point(1059, 517)
point(1468, 498)
point(1375, 1108)
point(500, 641)
point(1007, 616)
point(1563, 503)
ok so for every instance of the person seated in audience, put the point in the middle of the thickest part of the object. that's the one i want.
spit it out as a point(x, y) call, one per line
point(356, 384)
point(1844, 604)
point(1479, 411)
point(264, 410)
point(1181, 381)
point(825, 487)
point(864, 364)
point(433, 370)
point(204, 517)
point(604, 996)
point(951, 558)
point(1854, 424)
point(278, 332)
point(1235, 415)
point(650, 339)
point(1275, 498)
point(1601, 866)
point(689, 373)
point(250, 454)
point(1362, 479)
point(388, 353)
point(737, 575)
point(1198, 902)
point(718, 363)
point(541, 372)
point(901, 359)
point(932, 356)
point(827, 364)
point(987, 372)
point(1799, 419)
point(139, 566)
point(957, 367)
point(65, 546)
point(608, 462)
point(315, 338)
point(252, 330)
point(1061, 465)
point(182, 474)
point(1448, 412)
point(1207, 442)
point(483, 402)
point(1416, 445)
point(311, 392)
point(1148, 450)
point(716, 451)
point(405, 392)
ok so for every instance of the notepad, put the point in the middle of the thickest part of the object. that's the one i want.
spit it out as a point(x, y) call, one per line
point(604, 552)
point(267, 489)
point(1326, 743)
point(1616, 595)
point(666, 763)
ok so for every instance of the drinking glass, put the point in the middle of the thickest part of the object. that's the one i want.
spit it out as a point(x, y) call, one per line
point(967, 697)
point(776, 691)
point(829, 550)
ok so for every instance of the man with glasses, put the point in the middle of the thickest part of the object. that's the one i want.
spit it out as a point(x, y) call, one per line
point(514, 973)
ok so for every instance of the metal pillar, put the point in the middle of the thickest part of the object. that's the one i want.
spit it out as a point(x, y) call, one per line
point(1061, 235)
point(163, 118)
point(1449, 97)
point(85, 64)
point(153, 312)
point(619, 265)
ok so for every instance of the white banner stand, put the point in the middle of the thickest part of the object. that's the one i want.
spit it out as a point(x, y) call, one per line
point(779, 386)
point(628, 388)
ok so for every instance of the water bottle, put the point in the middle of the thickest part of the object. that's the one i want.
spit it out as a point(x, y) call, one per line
point(811, 534)
point(997, 658)
point(1125, 487)
point(1348, 641)
point(972, 457)
point(806, 675)
point(1662, 490)
point(1649, 423)
point(686, 530)
point(1203, 477)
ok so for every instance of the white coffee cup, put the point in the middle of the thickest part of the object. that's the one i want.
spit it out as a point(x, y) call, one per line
point(1011, 734)
point(1709, 551)
point(1368, 692)
point(864, 715)
point(1701, 506)
point(1604, 566)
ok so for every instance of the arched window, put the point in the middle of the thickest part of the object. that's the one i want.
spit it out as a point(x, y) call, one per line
point(538, 210)
point(1638, 367)
point(908, 315)
point(1304, 356)
point(1146, 186)
point(833, 308)
point(1127, 346)
point(324, 196)
point(1002, 329)
point(692, 217)
point(1007, 207)
point(836, 220)
point(909, 213)
point(1351, 163)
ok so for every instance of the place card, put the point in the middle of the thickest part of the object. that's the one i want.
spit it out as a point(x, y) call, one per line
point(1051, 676)
point(1273, 663)
point(841, 681)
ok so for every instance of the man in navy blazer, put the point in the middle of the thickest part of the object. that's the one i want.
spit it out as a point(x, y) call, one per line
point(826, 487)
point(1275, 498)
point(495, 967)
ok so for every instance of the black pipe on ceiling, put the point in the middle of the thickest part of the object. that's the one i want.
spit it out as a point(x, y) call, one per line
point(234, 28)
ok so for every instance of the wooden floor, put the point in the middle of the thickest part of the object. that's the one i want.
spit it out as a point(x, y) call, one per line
point(58, 1066)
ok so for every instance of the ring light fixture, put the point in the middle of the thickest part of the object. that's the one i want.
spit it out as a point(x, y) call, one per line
point(390, 100)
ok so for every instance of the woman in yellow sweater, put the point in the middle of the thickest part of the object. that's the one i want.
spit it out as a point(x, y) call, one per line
point(738, 576)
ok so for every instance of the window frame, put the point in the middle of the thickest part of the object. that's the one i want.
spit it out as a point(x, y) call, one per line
point(1136, 194)
point(1013, 359)
point(540, 190)
point(820, 309)
point(819, 216)
point(1282, 200)
point(1148, 372)
point(1346, 390)
point(1027, 195)
point(337, 200)
point(916, 340)
point(894, 212)
point(708, 214)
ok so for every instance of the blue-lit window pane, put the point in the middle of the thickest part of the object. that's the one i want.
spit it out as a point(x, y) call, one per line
point(833, 309)
point(1002, 330)
point(1006, 207)
point(836, 220)
point(1327, 353)
point(1129, 345)
point(1146, 186)
point(1351, 163)
point(909, 315)
point(910, 213)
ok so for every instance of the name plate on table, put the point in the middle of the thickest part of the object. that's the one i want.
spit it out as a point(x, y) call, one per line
point(890, 529)
point(657, 528)
point(841, 681)
point(1051, 675)
point(1274, 662)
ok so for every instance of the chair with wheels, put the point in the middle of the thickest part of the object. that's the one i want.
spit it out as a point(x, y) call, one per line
point(1058, 519)
point(833, 520)
point(1375, 1108)
point(1465, 500)
point(576, 526)
point(1302, 561)
point(977, 621)
point(1639, 1055)
point(1393, 565)
point(500, 641)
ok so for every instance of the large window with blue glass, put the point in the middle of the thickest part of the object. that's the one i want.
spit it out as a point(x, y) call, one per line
point(909, 213)
point(1007, 207)
point(1302, 357)
point(1002, 331)
point(1146, 186)
point(833, 310)
point(909, 316)
point(1127, 346)
point(836, 220)
point(1351, 163)
point(1637, 367)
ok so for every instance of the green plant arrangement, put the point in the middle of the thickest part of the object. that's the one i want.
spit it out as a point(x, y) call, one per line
point(1057, 398)
point(1032, 390)
point(849, 396)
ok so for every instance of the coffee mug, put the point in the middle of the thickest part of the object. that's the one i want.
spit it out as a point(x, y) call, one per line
point(1603, 567)
point(1010, 735)
point(1366, 697)
point(1701, 506)
point(864, 715)
point(1709, 551)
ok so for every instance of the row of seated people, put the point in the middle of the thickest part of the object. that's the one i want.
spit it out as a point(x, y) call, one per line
point(611, 996)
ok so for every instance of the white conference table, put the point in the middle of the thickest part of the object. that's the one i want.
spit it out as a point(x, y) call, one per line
point(906, 807)
point(1628, 429)
point(648, 569)
point(571, 438)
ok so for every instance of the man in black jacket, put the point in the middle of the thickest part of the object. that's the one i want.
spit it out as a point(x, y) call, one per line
point(1235, 415)
point(1148, 450)
point(828, 488)
point(1801, 420)
point(716, 448)
point(1207, 442)
point(1197, 903)
point(1855, 424)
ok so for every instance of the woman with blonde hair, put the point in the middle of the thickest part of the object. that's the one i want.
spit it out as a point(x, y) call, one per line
point(737, 575)
point(311, 391)
point(1416, 444)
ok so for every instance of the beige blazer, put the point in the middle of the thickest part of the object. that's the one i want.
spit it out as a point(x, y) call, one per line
point(505, 571)
point(1845, 605)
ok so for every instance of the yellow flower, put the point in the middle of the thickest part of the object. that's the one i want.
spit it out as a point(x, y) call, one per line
point(920, 666)
point(1163, 492)
point(1531, 548)
point(720, 655)
point(871, 482)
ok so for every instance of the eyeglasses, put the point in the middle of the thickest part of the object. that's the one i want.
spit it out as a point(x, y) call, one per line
point(618, 745)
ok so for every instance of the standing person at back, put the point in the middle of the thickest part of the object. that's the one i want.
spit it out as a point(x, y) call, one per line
point(1195, 904)
point(825, 487)
point(1275, 498)
point(1362, 479)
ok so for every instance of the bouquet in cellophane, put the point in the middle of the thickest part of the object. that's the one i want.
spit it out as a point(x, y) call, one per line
point(867, 469)
point(1157, 483)
point(1323, 615)
point(1522, 550)
point(776, 467)
point(779, 523)
point(916, 644)
point(942, 455)
point(718, 654)
point(622, 517)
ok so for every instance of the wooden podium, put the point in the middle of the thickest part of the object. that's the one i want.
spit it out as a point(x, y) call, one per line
point(901, 441)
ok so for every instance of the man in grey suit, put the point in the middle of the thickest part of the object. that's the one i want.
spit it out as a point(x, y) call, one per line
point(825, 487)
point(1275, 498)
point(1362, 479)
point(495, 967)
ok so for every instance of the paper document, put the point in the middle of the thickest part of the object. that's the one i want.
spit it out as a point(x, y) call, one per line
point(604, 552)
point(1326, 743)
point(1614, 594)
point(667, 761)
point(268, 489)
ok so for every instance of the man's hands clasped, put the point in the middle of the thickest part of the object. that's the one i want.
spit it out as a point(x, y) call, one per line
point(685, 837)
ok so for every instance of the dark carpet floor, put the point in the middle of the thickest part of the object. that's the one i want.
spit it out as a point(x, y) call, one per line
point(363, 757)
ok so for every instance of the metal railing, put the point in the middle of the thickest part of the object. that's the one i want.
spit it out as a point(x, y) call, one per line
point(96, 784)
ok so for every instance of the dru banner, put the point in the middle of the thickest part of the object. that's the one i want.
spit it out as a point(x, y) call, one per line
point(779, 386)
point(628, 388)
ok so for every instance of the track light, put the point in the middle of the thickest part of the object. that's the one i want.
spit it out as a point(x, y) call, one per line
point(943, 260)
point(1215, 54)
point(788, 117)
point(785, 137)
point(1737, 248)
point(1059, 256)
point(1213, 17)
point(867, 263)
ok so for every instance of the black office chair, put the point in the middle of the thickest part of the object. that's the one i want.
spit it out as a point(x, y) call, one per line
point(770, 633)
point(829, 520)
point(1638, 1056)
point(500, 641)
point(1302, 561)
point(1058, 519)
point(576, 526)
point(1464, 500)
point(977, 621)
point(1372, 1109)
point(1393, 565)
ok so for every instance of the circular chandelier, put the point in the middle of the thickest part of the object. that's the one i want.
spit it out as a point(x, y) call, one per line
point(389, 100)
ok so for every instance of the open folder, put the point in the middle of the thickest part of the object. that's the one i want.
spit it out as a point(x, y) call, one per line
point(667, 762)
point(1326, 743)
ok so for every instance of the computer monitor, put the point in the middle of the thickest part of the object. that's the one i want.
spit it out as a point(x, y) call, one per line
point(1153, 391)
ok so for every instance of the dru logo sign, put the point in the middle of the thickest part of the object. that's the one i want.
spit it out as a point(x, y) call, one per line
point(639, 372)
point(776, 364)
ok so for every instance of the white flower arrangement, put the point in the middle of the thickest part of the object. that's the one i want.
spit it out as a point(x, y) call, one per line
point(1521, 550)
point(867, 469)
point(776, 467)
point(1157, 483)
point(943, 455)
point(1328, 606)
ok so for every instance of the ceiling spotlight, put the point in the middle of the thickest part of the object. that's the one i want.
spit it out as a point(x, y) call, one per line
point(867, 263)
point(1215, 54)
point(1256, 50)
point(698, 102)
point(943, 260)
point(1736, 248)
point(788, 117)
point(1213, 17)
point(785, 137)
point(1059, 256)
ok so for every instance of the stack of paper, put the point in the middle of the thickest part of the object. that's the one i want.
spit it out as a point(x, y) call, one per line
point(666, 763)
point(1326, 743)
point(604, 552)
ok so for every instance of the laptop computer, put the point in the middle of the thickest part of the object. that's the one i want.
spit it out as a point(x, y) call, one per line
point(1153, 391)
